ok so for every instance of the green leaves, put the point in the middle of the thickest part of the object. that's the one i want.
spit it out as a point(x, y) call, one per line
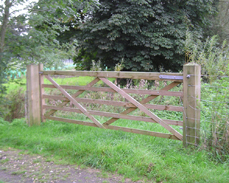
point(126, 29)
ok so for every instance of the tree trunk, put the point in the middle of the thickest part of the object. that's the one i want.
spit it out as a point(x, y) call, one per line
point(6, 15)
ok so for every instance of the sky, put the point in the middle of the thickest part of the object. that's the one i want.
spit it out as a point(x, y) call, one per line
point(21, 7)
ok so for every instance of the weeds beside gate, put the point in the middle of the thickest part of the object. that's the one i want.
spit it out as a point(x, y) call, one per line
point(38, 110)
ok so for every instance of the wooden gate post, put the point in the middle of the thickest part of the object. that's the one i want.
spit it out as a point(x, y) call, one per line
point(191, 102)
point(33, 95)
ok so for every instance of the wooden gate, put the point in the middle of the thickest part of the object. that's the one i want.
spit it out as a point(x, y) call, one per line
point(131, 104)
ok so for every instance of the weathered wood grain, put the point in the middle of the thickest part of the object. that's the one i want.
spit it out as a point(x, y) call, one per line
point(114, 74)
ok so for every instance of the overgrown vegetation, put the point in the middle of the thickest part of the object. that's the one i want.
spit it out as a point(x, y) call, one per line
point(214, 60)
point(215, 118)
point(15, 107)
point(212, 56)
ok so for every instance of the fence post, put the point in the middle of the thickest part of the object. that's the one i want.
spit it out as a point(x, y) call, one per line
point(191, 102)
point(33, 95)
point(42, 100)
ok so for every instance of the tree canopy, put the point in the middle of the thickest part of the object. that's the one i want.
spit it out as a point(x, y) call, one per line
point(148, 35)
point(220, 23)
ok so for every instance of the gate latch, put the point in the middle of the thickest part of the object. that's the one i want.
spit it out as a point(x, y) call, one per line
point(171, 77)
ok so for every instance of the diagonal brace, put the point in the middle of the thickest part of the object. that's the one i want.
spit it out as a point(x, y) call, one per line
point(74, 95)
point(142, 108)
point(144, 101)
point(66, 94)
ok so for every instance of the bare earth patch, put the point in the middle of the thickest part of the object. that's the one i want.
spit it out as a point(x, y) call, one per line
point(17, 166)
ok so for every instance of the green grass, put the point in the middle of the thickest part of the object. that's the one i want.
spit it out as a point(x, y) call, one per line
point(4, 160)
point(132, 155)
point(18, 172)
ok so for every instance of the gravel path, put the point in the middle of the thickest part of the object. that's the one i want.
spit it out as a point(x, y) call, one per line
point(17, 166)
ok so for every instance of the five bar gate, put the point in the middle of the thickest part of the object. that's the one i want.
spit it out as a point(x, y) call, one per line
point(38, 111)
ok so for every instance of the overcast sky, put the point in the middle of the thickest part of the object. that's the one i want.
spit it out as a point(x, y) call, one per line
point(21, 7)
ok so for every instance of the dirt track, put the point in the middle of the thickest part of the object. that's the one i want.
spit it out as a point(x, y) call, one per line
point(18, 167)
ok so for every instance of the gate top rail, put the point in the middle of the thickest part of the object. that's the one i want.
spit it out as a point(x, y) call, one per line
point(120, 74)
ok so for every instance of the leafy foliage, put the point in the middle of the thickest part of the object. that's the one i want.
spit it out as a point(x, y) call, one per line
point(215, 107)
point(214, 60)
point(211, 55)
point(148, 35)
point(220, 23)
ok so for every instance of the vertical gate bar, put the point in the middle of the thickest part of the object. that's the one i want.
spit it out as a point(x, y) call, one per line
point(42, 91)
point(191, 102)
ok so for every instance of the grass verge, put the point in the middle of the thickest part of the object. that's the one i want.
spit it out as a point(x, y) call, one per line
point(132, 155)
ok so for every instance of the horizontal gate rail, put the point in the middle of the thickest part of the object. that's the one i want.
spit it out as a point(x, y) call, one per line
point(131, 130)
point(115, 103)
point(117, 74)
point(107, 89)
point(114, 115)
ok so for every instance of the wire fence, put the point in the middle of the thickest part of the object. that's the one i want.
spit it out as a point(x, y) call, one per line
point(212, 130)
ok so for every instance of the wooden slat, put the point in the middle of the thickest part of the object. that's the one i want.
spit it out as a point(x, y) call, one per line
point(115, 103)
point(71, 121)
point(74, 95)
point(149, 98)
point(110, 74)
point(125, 129)
point(42, 91)
point(115, 115)
point(93, 101)
point(107, 89)
point(142, 108)
point(70, 98)
point(143, 132)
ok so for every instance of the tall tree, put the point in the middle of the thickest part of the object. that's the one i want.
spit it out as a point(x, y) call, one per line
point(5, 12)
point(148, 35)
point(220, 25)
point(6, 15)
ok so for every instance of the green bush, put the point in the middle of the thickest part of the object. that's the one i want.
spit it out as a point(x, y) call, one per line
point(15, 105)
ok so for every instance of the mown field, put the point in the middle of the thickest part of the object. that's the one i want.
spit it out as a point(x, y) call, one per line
point(134, 156)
